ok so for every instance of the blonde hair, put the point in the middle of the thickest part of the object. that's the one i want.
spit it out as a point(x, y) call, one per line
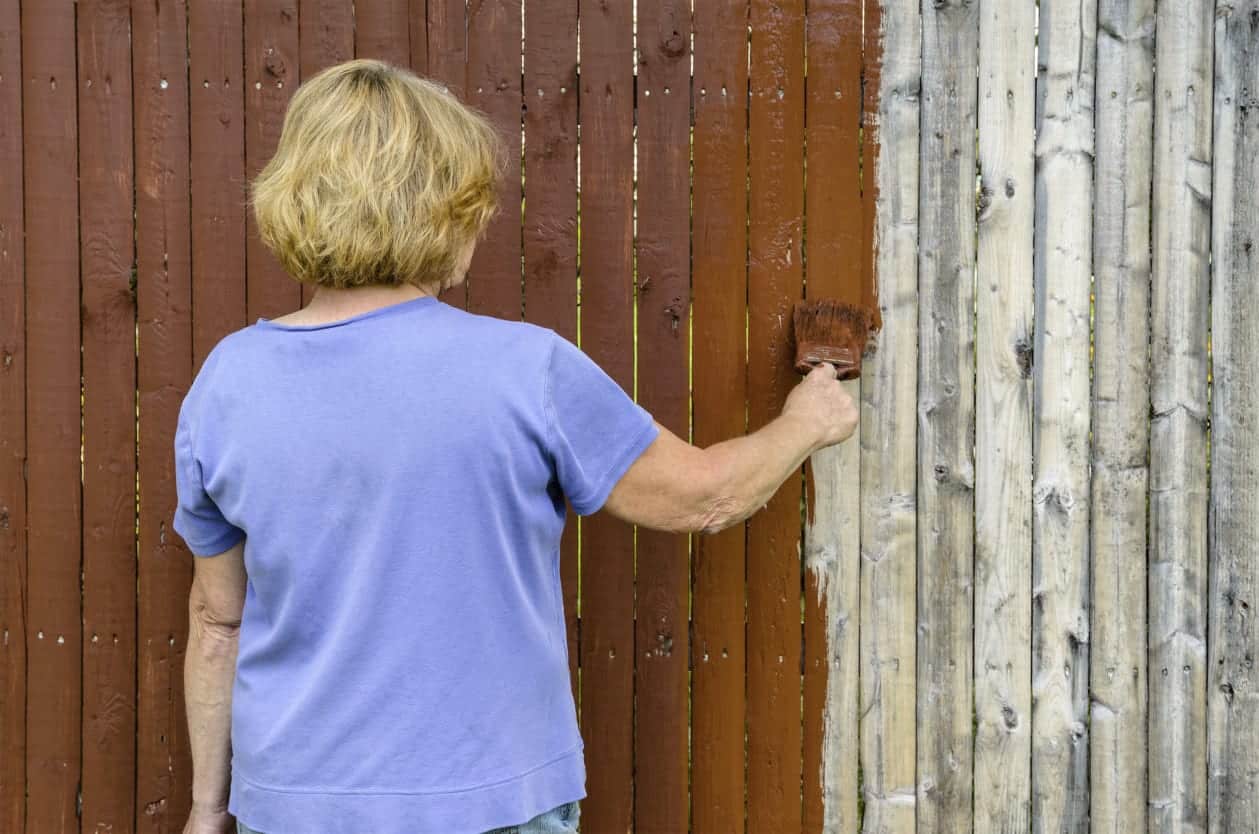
point(379, 177)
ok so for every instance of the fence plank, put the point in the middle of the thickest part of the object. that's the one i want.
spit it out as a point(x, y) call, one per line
point(494, 282)
point(447, 51)
point(418, 23)
point(161, 101)
point(1060, 490)
point(550, 217)
point(1178, 431)
point(1003, 435)
point(382, 31)
point(888, 436)
point(1233, 697)
point(719, 309)
point(13, 440)
point(54, 630)
point(946, 423)
point(107, 251)
point(271, 66)
point(607, 328)
point(663, 293)
point(833, 233)
point(1120, 453)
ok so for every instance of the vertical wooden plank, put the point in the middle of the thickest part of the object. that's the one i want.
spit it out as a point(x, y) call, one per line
point(159, 81)
point(494, 282)
point(54, 628)
point(550, 216)
point(663, 280)
point(13, 553)
point(447, 51)
point(107, 251)
point(1003, 433)
point(1060, 379)
point(888, 437)
point(1178, 430)
point(607, 308)
point(719, 310)
point(418, 24)
point(1120, 453)
point(218, 194)
point(946, 421)
point(271, 67)
point(382, 31)
point(833, 232)
point(1233, 694)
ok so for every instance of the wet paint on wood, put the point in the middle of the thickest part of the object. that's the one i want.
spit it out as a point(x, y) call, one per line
point(382, 31)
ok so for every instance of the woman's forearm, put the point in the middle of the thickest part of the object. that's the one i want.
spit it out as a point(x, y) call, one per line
point(209, 672)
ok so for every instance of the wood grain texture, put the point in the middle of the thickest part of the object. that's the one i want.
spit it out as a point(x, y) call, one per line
point(889, 385)
point(719, 310)
point(165, 369)
point(54, 625)
point(1178, 423)
point(662, 635)
point(833, 234)
point(1003, 419)
point(106, 255)
point(1233, 690)
point(1060, 379)
point(382, 31)
point(447, 64)
point(1121, 397)
point(946, 417)
point(607, 328)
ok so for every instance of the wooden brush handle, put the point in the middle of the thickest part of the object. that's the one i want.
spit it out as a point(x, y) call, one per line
point(847, 362)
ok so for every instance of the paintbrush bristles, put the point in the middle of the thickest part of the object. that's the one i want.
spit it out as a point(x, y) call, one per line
point(832, 332)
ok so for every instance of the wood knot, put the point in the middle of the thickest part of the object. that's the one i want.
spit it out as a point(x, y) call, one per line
point(673, 46)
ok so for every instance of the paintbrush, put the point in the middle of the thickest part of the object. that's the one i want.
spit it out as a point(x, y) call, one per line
point(833, 332)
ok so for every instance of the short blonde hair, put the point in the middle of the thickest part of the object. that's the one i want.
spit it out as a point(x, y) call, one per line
point(379, 177)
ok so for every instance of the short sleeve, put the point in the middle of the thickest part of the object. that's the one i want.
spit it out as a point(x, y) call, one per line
point(595, 430)
point(197, 518)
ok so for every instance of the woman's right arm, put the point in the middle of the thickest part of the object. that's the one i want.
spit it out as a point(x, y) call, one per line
point(677, 487)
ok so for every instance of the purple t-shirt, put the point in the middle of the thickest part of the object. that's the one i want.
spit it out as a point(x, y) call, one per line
point(399, 479)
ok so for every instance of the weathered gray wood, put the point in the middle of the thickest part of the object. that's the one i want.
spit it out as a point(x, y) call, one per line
point(1060, 489)
point(888, 439)
point(1233, 693)
point(1178, 400)
point(946, 416)
point(1003, 431)
point(1121, 397)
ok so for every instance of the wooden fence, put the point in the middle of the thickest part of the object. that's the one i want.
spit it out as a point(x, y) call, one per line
point(1021, 601)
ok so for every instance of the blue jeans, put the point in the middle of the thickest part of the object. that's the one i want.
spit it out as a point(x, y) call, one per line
point(559, 820)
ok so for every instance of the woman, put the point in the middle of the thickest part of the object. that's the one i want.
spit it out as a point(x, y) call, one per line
point(375, 487)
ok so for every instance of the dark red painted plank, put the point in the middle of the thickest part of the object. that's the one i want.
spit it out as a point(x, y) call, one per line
point(550, 214)
point(719, 247)
point(447, 52)
point(776, 137)
point(109, 417)
point(661, 791)
point(382, 31)
point(13, 554)
point(607, 549)
point(418, 24)
point(271, 75)
point(54, 628)
point(159, 72)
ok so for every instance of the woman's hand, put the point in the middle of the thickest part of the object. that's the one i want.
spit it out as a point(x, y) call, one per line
point(204, 820)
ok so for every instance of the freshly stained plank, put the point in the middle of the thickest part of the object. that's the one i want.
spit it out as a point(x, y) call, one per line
point(833, 258)
point(1233, 693)
point(1121, 403)
point(13, 551)
point(447, 57)
point(271, 76)
point(946, 422)
point(494, 89)
point(382, 31)
point(719, 275)
point(159, 72)
point(607, 308)
point(775, 153)
point(1060, 379)
point(1003, 431)
point(418, 23)
point(54, 627)
point(109, 417)
point(550, 216)
point(888, 437)
point(1178, 423)
point(663, 281)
